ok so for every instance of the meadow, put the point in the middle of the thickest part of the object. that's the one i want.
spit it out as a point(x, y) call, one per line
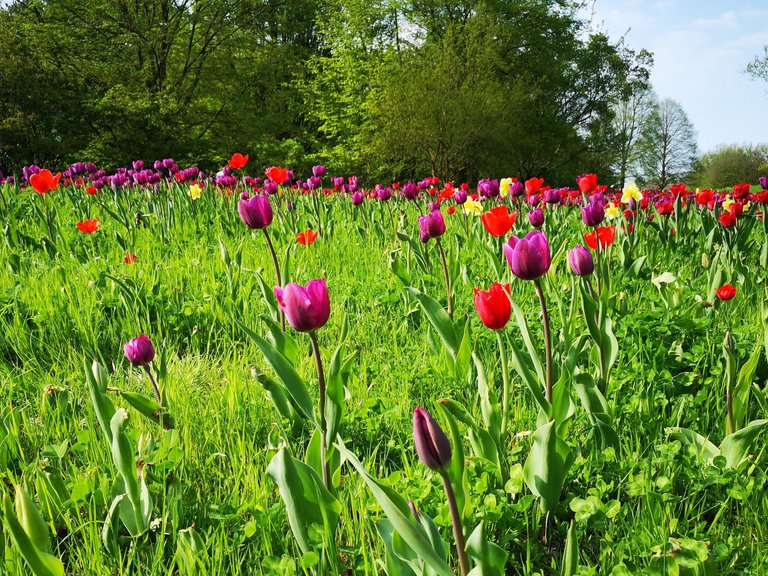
point(601, 414)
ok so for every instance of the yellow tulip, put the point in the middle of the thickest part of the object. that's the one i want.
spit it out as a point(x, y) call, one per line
point(631, 192)
point(504, 187)
point(727, 203)
point(195, 191)
point(472, 207)
point(612, 211)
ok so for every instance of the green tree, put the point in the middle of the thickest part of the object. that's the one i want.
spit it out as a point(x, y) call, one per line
point(732, 164)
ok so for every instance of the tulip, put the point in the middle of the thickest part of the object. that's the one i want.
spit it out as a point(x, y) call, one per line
point(434, 205)
point(432, 444)
point(460, 196)
point(318, 171)
point(255, 211)
point(587, 183)
point(43, 181)
point(277, 175)
point(498, 221)
point(528, 257)
point(88, 226)
point(314, 182)
point(581, 261)
point(139, 351)
point(305, 308)
point(764, 182)
point(593, 213)
point(410, 191)
point(631, 192)
point(533, 185)
point(493, 306)
point(488, 188)
point(357, 198)
point(536, 218)
point(726, 292)
point(431, 225)
point(605, 234)
point(552, 196)
point(306, 238)
point(384, 193)
point(727, 219)
point(516, 189)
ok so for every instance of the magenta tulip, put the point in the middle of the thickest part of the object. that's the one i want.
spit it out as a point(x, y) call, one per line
point(305, 308)
point(529, 257)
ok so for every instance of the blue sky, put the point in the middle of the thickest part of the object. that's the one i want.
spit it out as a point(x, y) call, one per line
point(701, 48)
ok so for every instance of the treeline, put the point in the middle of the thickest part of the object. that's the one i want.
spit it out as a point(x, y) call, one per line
point(382, 88)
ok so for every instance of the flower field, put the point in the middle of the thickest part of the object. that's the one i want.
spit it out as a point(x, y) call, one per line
point(262, 372)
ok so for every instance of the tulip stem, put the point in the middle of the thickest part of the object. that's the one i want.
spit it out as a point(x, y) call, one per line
point(547, 339)
point(458, 531)
point(599, 274)
point(321, 386)
point(447, 278)
point(505, 382)
point(152, 381)
point(277, 273)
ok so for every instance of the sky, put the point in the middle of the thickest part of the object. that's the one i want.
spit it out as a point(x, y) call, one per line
point(701, 49)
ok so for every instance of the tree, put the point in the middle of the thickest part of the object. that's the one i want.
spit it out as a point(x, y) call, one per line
point(732, 164)
point(667, 144)
point(759, 66)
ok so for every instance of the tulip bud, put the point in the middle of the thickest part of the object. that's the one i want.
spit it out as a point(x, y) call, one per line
point(581, 261)
point(432, 444)
point(431, 225)
point(31, 521)
point(139, 351)
point(593, 213)
point(528, 257)
point(256, 212)
point(536, 218)
point(318, 171)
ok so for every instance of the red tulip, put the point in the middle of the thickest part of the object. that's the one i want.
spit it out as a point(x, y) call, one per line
point(726, 292)
point(306, 238)
point(606, 235)
point(499, 221)
point(704, 197)
point(493, 305)
point(43, 182)
point(88, 226)
point(588, 183)
point(277, 175)
point(727, 219)
point(238, 161)
point(91, 190)
point(533, 184)
point(130, 258)
point(451, 209)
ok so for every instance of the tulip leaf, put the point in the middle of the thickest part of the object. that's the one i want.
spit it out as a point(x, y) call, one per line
point(705, 449)
point(735, 446)
point(400, 516)
point(490, 559)
point(547, 465)
point(334, 400)
point(398, 268)
point(533, 384)
point(533, 353)
point(743, 387)
point(571, 553)
point(96, 378)
point(439, 320)
point(456, 467)
point(489, 403)
point(279, 396)
point(282, 341)
point(307, 501)
point(40, 562)
point(398, 556)
point(294, 384)
point(596, 407)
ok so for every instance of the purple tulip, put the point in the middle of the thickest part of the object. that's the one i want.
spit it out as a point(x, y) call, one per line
point(432, 444)
point(138, 165)
point(536, 217)
point(460, 196)
point(581, 261)
point(91, 168)
point(357, 198)
point(434, 205)
point(318, 171)
point(78, 168)
point(410, 191)
point(488, 188)
point(516, 189)
point(529, 257)
point(256, 211)
point(139, 351)
point(431, 225)
point(764, 182)
point(314, 182)
point(305, 308)
point(270, 187)
point(593, 213)
point(28, 171)
point(552, 196)
point(384, 193)
point(338, 181)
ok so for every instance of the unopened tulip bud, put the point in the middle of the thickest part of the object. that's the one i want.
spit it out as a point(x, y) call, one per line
point(432, 444)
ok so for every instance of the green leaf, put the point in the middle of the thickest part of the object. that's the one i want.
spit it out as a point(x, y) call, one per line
point(735, 446)
point(547, 465)
point(571, 553)
point(704, 448)
point(534, 385)
point(398, 267)
point(743, 387)
point(40, 562)
point(279, 396)
point(307, 501)
point(596, 407)
point(456, 470)
point(334, 398)
point(489, 558)
point(400, 516)
point(96, 378)
point(294, 384)
point(533, 352)
point(395, 564)
point(439, 320)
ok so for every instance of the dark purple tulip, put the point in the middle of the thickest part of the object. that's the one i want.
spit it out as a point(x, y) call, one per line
point(410, 190)
point(516, 189)
point(529, 257)
point(91, 168)
point(256, 212)
point(431, 225)
point(289, 175)
point(67, 173)
point(597, 197)
point(305, 308)
point(432, 444)
point(270, 187)
point(536, 218)
point(488, 188)
point(460, 196)
point(552, 196)
point(764, 182)
point(138, 165)
point(534, 199)
point(593, 213)
point(139, 351)
point(78, 168)
point(318, 171)
point(357, 198)
point(581, 261)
